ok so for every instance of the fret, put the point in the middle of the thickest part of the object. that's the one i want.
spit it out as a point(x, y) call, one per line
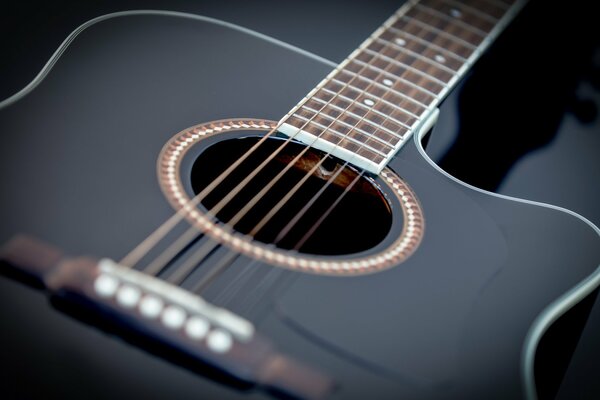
point(392, 125)
point(431, 69)
point(419, 93)
point(448, 28)
point(427, 48)
point(399, 100)
point(406, 21)
point(349, 101)
point(356, 121)
point(349, 134)
point(434, 61)
point(473, 25)
point(366, 109)
point(409, 74)
point(340, 127)
point(410, 68)
point(376, 119)
point(429, 38)
point(339, 141)
point(386, 99)
point(461, 7)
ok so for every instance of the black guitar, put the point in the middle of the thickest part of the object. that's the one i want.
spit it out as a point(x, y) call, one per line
point(167, 181)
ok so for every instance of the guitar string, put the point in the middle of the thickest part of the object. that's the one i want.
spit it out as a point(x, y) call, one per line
point(261, 284)
point(188, 267)
point(227, 259)
point(293, 221)
point(156, 266)
point(202, 284)
point(151, 241)
point(279, 283)
point(135, 255)
point(201, 253)
point(354, 101)
point(274, 274)
point(279, 271)
point(307, 234)
point(145, 246)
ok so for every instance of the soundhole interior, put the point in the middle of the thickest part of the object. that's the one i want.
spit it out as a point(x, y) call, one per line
point(358, 222)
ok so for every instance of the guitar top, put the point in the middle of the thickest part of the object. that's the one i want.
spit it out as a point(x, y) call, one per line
point(268, 222)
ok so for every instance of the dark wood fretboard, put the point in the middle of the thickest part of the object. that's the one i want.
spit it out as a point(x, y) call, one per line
point(369, 106)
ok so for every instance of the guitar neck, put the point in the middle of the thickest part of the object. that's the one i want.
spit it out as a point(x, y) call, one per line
point(368, 107)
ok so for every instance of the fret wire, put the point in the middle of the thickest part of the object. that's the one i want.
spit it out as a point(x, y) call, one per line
point(409, 77)
point(441, 32)
point(402, 64)
point(377, 126)
point(292, 113)
point(358, 117)
point(424, 73)
point(473, 10)
point(429, 44)
point(391, 20)
point(400, 94)
point(355, 102)
point(344, 136)
point(367, 108)
point(464, 14)
point(466, 26)
point(353, 57)
point(447, 27)
point(397, 122)
point(421, 57)
point(456, 47)
point(415, 86)
point(337, 119)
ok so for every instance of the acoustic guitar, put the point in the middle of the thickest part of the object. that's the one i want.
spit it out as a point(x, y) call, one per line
point(204, 201)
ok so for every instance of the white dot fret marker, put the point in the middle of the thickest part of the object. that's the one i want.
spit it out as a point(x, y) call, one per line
point(151, 306)
point(369, 102)
point(455, 13)
point(388, 82)
point(128, 296)
point(440, 58)
point(219, 341)
point(400, 41)
point(173, 317)
point(106, 286)
point(197, 327)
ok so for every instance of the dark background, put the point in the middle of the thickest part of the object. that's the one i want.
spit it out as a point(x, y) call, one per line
point(527, 125)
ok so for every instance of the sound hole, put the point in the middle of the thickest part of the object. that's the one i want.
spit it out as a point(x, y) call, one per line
point(360, 220)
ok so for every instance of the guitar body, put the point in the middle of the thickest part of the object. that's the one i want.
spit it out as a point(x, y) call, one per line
point(78, 163)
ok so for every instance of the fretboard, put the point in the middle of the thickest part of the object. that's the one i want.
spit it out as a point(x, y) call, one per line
point(370, 105)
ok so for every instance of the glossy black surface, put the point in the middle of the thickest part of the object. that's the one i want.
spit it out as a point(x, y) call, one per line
point(78, 188)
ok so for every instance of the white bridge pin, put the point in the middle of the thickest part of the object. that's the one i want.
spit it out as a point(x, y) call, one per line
point(151, 306)
point(197, 327)
point(219, 341)
point(106, 285)
point(173, 317)
point(128, 296)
